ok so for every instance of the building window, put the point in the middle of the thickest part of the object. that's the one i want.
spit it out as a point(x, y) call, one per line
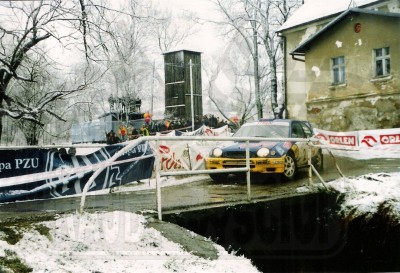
point(338, 70)
point(382, 61)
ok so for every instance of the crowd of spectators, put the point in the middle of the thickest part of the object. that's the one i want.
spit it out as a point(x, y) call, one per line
point(151, 127)
point(166, 125)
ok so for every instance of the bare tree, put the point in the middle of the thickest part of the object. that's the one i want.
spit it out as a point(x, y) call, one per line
point(26, 26)
point(52, 89)
point(170, 29)
point(241, 99)
point(270, 15)
point(15, 43)
point(29, 94)
point(128, 64)
point(256, 21)
point(239, 18)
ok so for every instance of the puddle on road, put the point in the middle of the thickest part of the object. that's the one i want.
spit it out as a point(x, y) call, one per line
point(299, 234)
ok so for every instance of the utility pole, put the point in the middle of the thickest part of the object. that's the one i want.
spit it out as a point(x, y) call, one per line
point(152, 89)
point(191, 92)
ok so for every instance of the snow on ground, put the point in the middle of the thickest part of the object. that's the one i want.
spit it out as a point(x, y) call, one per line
point(112, 242)
point(364, 195)
point(121, 242)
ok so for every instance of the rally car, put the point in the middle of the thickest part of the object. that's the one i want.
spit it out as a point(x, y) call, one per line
point(267, 157)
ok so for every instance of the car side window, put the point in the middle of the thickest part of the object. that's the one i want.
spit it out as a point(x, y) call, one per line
point(297, 131)
point(307, 130)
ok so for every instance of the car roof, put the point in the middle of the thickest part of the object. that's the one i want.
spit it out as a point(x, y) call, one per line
point(273, 120)
point(285, 120)
point(265, 121)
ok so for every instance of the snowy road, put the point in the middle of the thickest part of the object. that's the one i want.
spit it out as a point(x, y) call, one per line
point(194, 195)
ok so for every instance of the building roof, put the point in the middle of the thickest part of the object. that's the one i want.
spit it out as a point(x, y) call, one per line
point(300, 50)
point(313, 10)
point(181, 49)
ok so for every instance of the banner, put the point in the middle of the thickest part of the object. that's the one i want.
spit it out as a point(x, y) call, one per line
point(373, 138)
point(41, 173)
point(344, 139)
point(189, 155)
point(366, 144)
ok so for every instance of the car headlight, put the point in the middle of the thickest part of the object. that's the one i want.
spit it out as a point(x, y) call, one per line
point(217, 152)
point(263, 152)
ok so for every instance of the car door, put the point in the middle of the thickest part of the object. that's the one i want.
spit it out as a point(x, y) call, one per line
point(297, 131)
point(307, 128)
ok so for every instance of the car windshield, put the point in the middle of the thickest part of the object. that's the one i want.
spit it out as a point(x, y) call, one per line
point(264, 130)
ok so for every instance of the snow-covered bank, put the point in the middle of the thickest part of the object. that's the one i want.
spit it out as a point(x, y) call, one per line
point(365, 195)
point(108, 242)
point(369, 194)
point(123, 242)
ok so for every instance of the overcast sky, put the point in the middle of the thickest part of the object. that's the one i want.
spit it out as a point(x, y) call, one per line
point(206, 39)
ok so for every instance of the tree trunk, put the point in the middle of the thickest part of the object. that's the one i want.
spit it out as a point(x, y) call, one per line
point(3, 88)
point(256, 75)
point(274, 89)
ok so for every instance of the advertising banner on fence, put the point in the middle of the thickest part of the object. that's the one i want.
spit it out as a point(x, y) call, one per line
point(344, 139)
point(189, 155)
point(366, 144)
point(374, 138)
point(41, 173)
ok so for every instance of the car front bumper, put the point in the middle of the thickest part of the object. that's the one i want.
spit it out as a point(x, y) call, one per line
point(257, 165)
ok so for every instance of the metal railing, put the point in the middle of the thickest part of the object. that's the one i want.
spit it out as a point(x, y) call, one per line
point(98, 168)
point(159, 173)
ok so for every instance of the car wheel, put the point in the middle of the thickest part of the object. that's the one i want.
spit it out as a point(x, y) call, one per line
point(290, 167)
point(219, 177)
point(318, 161)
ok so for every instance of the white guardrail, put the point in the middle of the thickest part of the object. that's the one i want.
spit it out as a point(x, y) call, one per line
point(159, 173)
point(154, 141)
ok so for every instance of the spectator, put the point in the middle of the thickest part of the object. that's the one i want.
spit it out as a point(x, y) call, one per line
point(134, 133)
point(72, 151)
point(147, 117)
point(112, 138)
point(122, 132)
point(144, 131)
point(167, 123)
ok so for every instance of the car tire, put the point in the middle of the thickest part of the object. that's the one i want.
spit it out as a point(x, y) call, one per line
point(318, 161)
point(290, 171)
point(219, 177)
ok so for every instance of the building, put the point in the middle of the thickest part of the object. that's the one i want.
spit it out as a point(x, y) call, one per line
point(342, 64)
point(183, 84)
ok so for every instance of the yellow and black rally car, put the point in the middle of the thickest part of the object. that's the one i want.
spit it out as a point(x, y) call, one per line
point(266, 157)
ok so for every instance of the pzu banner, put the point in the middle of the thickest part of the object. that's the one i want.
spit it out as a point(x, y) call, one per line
point(41, 173)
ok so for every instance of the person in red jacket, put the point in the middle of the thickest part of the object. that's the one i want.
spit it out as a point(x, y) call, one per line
point(122, 132)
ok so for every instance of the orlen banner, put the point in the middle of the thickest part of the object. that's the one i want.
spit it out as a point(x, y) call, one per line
point(188, 155)
point(382, 143)
point(376, 138)
point(41, 173)
point(344, 139)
